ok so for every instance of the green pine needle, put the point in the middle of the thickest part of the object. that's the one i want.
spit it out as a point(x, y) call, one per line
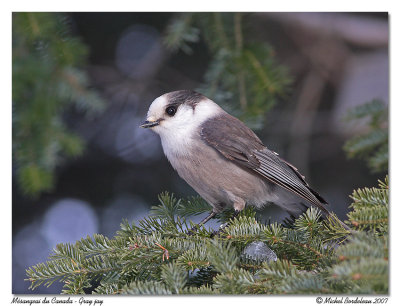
point(158, 257)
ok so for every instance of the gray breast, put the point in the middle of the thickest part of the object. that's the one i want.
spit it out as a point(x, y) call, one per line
point(219, 181)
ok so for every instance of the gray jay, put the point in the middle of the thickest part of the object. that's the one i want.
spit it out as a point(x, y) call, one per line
point(222, 159)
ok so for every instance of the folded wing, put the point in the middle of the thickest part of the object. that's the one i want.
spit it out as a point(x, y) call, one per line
point(236, 142)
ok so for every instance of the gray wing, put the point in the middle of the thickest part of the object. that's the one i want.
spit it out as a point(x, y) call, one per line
point(236, 142)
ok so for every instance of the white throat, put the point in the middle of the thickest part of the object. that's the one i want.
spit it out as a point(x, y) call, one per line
point(177, 136)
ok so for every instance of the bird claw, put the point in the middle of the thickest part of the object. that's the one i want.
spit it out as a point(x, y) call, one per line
point(223, 225)
point(218, 233)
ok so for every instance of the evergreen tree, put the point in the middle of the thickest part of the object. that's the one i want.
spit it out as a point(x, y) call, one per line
point(47, 79)
point(157, 256)
point(373, 144)
point(243, 75)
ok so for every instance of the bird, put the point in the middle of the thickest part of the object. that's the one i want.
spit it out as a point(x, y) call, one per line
point(223, 160)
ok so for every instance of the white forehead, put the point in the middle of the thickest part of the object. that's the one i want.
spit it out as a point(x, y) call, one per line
point(204, 109)
point(158, 106)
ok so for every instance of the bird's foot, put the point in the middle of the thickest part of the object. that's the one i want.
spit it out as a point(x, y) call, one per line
point(220, 230)
point(195, 228)
point(223, 226)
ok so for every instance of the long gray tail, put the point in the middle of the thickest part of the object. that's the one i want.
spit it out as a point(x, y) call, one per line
point(295, 206)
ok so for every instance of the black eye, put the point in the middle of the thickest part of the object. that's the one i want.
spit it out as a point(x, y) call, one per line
point(170, 110)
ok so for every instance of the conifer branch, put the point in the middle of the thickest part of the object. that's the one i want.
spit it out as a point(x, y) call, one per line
point(157, 256)
point(373, 144)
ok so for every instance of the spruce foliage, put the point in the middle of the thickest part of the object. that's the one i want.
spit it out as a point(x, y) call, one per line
point(373, 144)
point(243, 74)
point(157, 256)
point(47, 79)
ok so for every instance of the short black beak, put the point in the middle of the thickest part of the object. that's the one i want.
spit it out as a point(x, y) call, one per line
point(149, 124)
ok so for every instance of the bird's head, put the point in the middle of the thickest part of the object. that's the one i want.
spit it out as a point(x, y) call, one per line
point(178, 113)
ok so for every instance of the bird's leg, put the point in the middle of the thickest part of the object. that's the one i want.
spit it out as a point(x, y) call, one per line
point(208, 218)
point(235, 214)
point(238, 205)
point(223, 226)
point(194, 229)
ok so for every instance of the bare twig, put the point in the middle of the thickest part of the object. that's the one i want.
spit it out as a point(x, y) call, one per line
point(357, 30)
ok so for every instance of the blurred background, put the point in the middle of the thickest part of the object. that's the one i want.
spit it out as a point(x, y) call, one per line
point(82, 83)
